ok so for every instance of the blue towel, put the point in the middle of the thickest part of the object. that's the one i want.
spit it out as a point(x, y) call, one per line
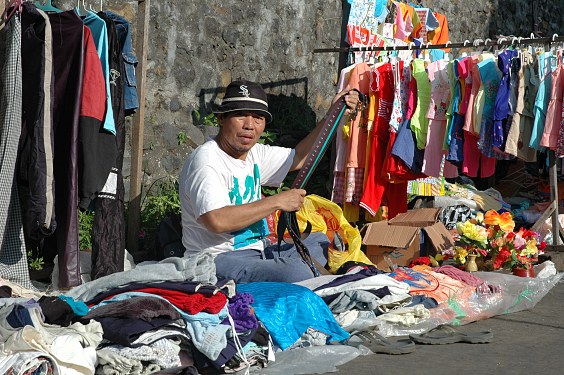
point(288, 310)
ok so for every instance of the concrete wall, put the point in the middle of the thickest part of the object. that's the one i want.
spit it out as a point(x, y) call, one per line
point(197, 47)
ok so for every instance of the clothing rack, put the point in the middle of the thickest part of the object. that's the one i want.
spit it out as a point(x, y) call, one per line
point(503, 41)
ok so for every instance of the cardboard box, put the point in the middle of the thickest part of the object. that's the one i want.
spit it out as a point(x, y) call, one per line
point(405, 237)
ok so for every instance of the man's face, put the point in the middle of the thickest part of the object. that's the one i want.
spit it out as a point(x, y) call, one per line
point(240, 131)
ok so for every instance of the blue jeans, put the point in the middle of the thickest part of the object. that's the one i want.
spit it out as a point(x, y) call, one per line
point(286, 265)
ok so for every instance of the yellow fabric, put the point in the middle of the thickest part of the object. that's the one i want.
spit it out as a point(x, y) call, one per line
point(327, 217)
point(351, 212)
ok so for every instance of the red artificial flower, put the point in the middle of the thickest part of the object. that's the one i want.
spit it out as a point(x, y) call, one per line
point(511, 235)
point(421, 261)
point(503, 255)
point(541, 245)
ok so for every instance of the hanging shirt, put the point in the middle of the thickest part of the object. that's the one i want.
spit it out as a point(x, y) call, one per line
point(542, 99)
point(505, 61)
point(130, 61)
point(100, 36)
point(478, 109)
point(419, 120)
point(519, 136)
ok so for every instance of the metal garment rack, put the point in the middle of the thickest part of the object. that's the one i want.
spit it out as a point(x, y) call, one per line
point(503, 41)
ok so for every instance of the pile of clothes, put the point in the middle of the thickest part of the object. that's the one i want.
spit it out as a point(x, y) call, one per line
point(133, 322)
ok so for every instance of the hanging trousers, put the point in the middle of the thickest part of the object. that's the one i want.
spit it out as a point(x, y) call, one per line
point(68, 64)
point(108, 238)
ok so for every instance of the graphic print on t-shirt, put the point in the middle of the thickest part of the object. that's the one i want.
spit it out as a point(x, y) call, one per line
point(251, 193)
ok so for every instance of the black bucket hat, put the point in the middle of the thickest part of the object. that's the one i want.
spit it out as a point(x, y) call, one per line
point(244, 96)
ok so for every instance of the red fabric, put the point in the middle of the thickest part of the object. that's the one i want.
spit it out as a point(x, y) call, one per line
point(192, 303)
point(395, 170)
point(383, 82)
point(474, 159)
point(93, 98)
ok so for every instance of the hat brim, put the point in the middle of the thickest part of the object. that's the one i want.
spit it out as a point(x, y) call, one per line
point(248, 106)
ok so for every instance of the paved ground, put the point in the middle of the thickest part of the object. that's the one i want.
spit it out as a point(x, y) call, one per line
point(527, 342)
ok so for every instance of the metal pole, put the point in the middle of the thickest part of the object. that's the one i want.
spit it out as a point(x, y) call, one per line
point(554, 197)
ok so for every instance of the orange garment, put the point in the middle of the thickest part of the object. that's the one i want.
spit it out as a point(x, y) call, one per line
point(356, 151)
point(440, 34)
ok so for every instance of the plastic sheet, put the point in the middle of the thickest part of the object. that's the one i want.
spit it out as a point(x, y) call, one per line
point(506, 294)
point(311, 360)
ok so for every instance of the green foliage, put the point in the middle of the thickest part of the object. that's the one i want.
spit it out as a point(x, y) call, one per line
point(268, 191)
point(85, 225)
point(207, 120)
point(182, 137)
point(34, 262)
point(161, 198)
point(268, 138)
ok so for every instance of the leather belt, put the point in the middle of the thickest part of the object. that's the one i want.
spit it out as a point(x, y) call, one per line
point(288, 220)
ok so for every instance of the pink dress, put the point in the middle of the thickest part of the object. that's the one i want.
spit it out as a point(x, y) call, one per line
point(554, 110)
point(440, 97)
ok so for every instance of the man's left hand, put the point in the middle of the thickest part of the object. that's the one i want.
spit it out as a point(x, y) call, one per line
point(352, 99)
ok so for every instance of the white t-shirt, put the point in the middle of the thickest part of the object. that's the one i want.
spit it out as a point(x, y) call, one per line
point(212, 179)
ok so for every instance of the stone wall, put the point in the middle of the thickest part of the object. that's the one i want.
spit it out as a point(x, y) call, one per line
point(197, 47)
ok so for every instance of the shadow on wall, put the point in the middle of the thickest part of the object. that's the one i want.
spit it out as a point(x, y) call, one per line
point(521, 18)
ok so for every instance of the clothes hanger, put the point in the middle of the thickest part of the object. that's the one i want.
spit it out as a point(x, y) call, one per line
point(463, 51)
point(447, 54)
point(81, 12)
point(17, 7)
point(47, 6)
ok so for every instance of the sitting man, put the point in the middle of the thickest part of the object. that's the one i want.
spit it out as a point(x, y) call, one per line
point(220, 193)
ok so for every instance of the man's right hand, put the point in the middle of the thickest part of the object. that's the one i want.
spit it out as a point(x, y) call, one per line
point(291, 200)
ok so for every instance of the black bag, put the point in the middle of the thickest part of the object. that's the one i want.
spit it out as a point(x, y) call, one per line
point(169, 237)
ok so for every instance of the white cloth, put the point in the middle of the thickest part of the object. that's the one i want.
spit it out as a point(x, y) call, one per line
point(73, 348)
point(23, 362)
point(406, 316)
point(369, 283)
point(211, 179)
point(160, 355)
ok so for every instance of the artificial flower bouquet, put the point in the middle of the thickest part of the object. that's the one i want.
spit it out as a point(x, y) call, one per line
point(491, 236)
point(472, 239)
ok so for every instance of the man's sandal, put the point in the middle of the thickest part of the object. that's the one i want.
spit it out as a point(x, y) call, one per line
point(445, 334)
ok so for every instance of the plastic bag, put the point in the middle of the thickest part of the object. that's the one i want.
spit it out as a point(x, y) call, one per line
point(507, 294)
point(327, 217)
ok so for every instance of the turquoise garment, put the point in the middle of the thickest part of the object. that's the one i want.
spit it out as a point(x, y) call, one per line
point(78, 307)
point(542, 99)
point(452, 69)
point(288, 310)
point(100, 35)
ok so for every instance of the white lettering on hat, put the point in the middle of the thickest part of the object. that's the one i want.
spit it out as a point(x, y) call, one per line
point(244, 90)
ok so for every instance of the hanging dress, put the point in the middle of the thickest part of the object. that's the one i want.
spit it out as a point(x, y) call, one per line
point(554, 110)
point(376, 186)
point(490, 76)
point(436, 113)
